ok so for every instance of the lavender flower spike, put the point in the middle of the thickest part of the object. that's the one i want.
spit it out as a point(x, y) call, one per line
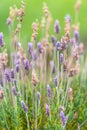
point(26, 64)
point(40, 48)
point(14, 91)
point(17, 68)
point(56, 27)
point(52, 65)
point(1, 40)
point(58, 46)
point(12, 74)
point(7, 75)
point(53, 39)
point(48, 90)
point(68, 18)
point(61, 58)
point(30, 47)
point(56, 81)
point(38, 95)
point(9, 21)
point(63, 118)
point(76, 34)
point(25, 108)
point(47, 110)
point(34, 55)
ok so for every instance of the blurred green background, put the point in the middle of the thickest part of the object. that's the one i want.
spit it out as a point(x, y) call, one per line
point(58, 9)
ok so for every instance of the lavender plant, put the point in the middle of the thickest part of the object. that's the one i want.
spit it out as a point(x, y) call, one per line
point(37, 85)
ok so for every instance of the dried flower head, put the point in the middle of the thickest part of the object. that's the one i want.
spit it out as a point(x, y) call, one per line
point(3, 59)
point(77, 6)
point(43, 23)
point(70, 94)
point(12, 14)
point(1, 93)
point(35, 80)
point(46, 11)
point(35, 31)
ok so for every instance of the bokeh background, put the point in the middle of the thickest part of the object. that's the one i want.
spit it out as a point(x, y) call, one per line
point(58, 9)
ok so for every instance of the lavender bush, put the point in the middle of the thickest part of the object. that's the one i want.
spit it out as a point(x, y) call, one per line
point(41, 87)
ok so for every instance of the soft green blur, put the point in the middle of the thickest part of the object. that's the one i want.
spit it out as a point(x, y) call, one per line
point(58, 9)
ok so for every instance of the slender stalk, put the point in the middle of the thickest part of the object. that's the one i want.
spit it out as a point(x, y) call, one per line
point(28, 125)
point(5, 117)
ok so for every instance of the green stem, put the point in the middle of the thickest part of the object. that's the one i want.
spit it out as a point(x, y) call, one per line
point(5, 117)
point(28, 125)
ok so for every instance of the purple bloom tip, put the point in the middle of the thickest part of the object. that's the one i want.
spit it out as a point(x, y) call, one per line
point(9, 21)
point(47, 110)
point(76, 34)
point(56, 81)
point(38, 95)
point(25, 108)
point(56, 27)
point(63, 118)
point(48, 90)
point(26, 64)
point(68, 18)
point(1, 40)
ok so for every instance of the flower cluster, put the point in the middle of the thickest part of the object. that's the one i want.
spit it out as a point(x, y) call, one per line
point(39, 80)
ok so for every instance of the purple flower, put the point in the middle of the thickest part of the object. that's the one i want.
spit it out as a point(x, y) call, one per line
point(61, 57)
point(63, 118)
point(68, 18)
point(39, 46)
point(52, 65)
point(53, 39)
point(58, 46)
point(48, 90)
point(12, 73)
point(1, 40)
point(30, 47)
point(17, 68)
point(9, 21)
point(15, 82)
point(26, 64)
point(38, 95)
point(56, 81)
point(34, 55)
point(19, 44)
point(56, 27)
point(14, 91)
point(72, 41)
point(25, 108)
point(76, 34)
point(7, 75)
point(47, 110)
